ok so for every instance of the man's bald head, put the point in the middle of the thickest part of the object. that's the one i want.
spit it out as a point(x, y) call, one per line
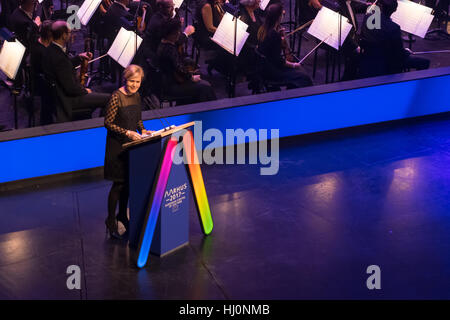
point(59, 29)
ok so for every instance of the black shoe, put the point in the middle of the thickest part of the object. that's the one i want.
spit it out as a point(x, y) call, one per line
point(112, 228)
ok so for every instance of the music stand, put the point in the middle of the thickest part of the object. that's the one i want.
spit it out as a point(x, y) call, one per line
point(413, 18)
point(231, 42)
point(86, 10)
point(11, 56)
point(124, 47)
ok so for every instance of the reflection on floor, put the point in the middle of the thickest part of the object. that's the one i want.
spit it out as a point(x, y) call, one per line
point(376, 196)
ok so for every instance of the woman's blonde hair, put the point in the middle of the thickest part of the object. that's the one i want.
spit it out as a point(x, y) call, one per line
point(131, 70)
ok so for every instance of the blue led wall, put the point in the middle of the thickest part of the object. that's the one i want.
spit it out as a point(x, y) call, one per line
point(83, 149)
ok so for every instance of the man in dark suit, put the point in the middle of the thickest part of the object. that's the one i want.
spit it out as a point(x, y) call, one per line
point(22, 24)
point(60, 69)
point(383, 51)
point(157, 23)
point(117, 17)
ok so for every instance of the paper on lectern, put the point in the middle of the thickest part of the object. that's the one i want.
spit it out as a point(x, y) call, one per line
point(413, 17)
point(326, 23)
point(124, 47)
point(11, 57)
point(86, 10)
point(224, 35)
point(263, 4)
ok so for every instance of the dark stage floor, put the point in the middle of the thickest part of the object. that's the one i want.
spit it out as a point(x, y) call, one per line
point(340, 202)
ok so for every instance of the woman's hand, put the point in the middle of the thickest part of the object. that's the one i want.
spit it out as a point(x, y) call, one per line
point(133, 135)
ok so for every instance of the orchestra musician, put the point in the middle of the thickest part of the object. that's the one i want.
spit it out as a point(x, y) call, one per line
point(44, 10)
point(178, 81)
point(60, 68)
point(37, 72)
point(382, 49)
point(157, 26)
point(118, 17)
point(208, 16)
point(278, 68)
point(23, 25)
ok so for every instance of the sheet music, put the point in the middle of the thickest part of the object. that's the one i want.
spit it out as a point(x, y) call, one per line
point(326, 23)
point(177, 3)
point(11, 57)
point(124, 47)
point(86, 10)
point(263, 4)
point(224, 35)
point(413, 18)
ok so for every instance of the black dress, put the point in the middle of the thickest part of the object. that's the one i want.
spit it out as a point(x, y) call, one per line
point(274, 65)
point(123, 113)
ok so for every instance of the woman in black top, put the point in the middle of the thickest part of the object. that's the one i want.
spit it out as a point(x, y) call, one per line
point(208, 15)
point(276, 67)
point(250, 13)
point(122, 120)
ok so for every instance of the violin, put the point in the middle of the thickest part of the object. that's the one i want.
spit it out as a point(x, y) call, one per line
point(85, 63)
point(141, 20)
point(189, 68)
point(287, 52)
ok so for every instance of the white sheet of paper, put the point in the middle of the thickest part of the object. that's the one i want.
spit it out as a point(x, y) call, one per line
point(177, 3)
point(326, 23)
point(11, 57)
point(123, 48)
point(224, 35)
point(86, 10)
point(413, 18)
point(40, 1)
point(263, 4)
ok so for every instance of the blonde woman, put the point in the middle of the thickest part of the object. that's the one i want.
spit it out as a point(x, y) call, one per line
point(123, 120)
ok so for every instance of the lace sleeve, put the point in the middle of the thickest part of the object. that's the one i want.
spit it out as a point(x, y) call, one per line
point(111, 112)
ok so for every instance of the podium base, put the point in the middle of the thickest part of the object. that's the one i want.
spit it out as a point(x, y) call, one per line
point(161, 255)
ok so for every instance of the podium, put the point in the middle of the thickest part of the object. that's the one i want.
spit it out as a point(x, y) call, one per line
point(159, 192)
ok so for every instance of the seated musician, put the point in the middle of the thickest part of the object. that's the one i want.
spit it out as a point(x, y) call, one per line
point(350, 48)
point(44, 10)
point(307, 10)
point(37, 72)
point(250, 13)
point(23, 25)
point(117, 17)
point(60, 68)
point(208, 15)
point(277, 68)
point(27, 32)
point(382, 49)
point(177, 80)
point(157, 25)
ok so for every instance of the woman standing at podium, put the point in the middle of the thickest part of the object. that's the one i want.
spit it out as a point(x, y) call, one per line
point(123, 120)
